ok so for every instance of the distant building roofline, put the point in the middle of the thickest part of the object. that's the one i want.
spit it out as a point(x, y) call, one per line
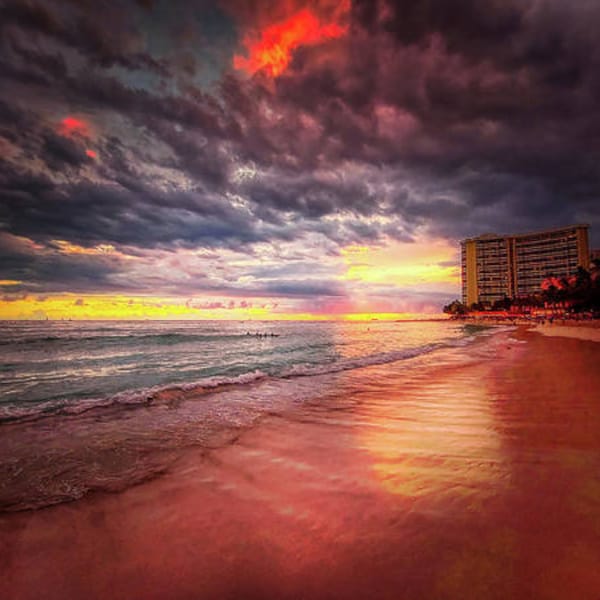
point(496, 236)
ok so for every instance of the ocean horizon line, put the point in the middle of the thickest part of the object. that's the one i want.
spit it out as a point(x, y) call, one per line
point(145, 319)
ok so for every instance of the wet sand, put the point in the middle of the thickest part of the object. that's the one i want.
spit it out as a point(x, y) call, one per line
point(580, 332)
point(477, 480)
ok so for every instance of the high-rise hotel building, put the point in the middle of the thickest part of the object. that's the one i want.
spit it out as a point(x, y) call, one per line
point(497, 266)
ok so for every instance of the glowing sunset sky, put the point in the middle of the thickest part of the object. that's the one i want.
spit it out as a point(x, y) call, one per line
point(283, 159)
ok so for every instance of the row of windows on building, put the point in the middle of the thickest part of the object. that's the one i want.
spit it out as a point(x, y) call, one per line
point(495, 267)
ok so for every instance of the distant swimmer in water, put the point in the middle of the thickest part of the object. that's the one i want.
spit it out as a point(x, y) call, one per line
point(259, 335)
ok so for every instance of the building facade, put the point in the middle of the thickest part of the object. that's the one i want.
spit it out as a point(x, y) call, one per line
point(497, 266)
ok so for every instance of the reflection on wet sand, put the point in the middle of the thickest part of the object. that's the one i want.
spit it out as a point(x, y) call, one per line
point(438, 441)
point(476, 479)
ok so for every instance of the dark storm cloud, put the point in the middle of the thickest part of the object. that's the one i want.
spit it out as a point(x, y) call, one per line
point(46, 63)
point(467, 25)
point(59, 152)
point(441, 117)
point(487, 96)
point(89, 214)
point(48, 270)
point(103, 32)
point(309, 195)
point(299, 288)
point(37, 141)
point(284, 287)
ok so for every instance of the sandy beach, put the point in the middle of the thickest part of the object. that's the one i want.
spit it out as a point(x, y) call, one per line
point(581, 332)
point(469, 479)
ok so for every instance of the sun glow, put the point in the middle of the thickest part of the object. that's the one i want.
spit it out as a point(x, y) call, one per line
point(402, 264)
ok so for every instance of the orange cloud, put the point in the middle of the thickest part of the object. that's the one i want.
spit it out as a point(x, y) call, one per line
point(272, 50)
point(65, 247)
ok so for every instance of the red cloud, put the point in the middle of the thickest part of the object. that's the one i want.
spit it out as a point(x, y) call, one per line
point(271, 50)
point(71, 126)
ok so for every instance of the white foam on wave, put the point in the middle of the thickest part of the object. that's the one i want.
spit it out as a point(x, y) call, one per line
point(126, 398)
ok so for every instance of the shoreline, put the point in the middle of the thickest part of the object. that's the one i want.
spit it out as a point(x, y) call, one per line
point(570, 330)
point(576, 329)
point(550, 322)
point(442, 482)
point(96, 429)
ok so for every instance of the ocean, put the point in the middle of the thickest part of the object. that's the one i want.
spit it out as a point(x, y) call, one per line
point(102, 405)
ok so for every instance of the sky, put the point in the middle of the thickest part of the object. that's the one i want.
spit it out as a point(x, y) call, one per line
point(278, 159)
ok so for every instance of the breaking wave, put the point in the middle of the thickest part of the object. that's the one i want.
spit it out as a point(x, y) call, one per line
point(156, 394)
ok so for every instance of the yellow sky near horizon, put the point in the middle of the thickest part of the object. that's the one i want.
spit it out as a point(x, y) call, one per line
point(94, 307)
point(402, 263)
point(369, 276)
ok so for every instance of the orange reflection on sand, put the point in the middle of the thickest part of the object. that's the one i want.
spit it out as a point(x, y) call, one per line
point(436, 440)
